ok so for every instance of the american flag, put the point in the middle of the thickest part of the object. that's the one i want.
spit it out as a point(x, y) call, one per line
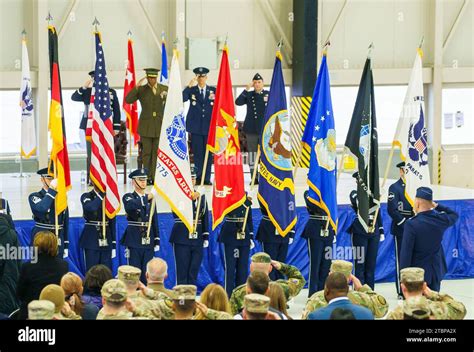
point(103, 169)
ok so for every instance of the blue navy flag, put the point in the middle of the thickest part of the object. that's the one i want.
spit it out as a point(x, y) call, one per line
point(276, 189)
point(362, 144)
point(320, 135)
point(164, 63)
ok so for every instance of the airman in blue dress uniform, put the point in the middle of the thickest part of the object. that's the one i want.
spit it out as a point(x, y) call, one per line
point(399, 210)
point(97, 248)
point(42, 206)
point(319, 238)
point(198, 120)
point(237, 245)
point(188, 247)
point(422, 237)
point(140, 246)
point(274, 244)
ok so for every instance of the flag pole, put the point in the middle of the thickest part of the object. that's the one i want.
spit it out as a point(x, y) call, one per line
point(252, 184)
point(389, 162)
point(341, 164)
point(103, 218)
point(201, 184)
point(129, 35)
point(150, 217)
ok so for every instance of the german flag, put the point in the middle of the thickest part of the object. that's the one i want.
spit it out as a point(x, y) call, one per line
point(59, 163)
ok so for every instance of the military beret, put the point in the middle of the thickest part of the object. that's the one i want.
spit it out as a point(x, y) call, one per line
point(424, 193)
point(54, 293)
point(92, 73)
point(341, 266)
point(417, 307)
point(114, 291)
point(139, 173)
point(129, 274)
point(412, 275)
point(44, 172)
point(261, 257)
point(401, 165)
point(40, 310)
point(255, 303)
point(184, 292)
point(151, 72)
point(201, 71)
point(257, 77)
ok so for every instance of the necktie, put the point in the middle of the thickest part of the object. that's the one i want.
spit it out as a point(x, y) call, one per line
point(203, 94)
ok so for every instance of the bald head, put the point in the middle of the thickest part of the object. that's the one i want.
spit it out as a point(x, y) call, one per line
point(263, 267)
point(156, 270)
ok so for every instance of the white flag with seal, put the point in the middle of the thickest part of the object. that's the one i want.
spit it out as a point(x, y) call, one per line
point(28, 135)
point(411, 134)
point(173, 172)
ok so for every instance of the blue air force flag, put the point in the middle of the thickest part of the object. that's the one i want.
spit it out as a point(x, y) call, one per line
point(276, 189)
point(320, 135)
point(164, 63)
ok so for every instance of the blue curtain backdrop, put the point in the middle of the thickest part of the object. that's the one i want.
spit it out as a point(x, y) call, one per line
point(458, 244)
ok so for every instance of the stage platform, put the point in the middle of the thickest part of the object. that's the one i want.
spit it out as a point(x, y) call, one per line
point(458, 242)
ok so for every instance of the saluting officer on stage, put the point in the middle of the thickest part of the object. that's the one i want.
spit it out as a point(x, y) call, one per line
point(237, 245)
point(97, 248)
point(274, 244)
point(364, 270)
point(140, 246)
point(422, 237)
point(256, 102)
point(188, 247)
point(152, 97)
point(83, 95)
point(42, 205)
point(399, 210)
point(201, 97)
point(319, 238)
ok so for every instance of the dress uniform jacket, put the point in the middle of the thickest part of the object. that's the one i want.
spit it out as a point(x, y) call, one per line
point(356, 226)
point(398, 207)
point(317, 222)
point(200, 109)
point(256, 105)
point(233, 223)
point(267, 233)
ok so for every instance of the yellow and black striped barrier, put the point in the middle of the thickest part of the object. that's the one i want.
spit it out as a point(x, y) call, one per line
point(439, 167)
point(299, 115)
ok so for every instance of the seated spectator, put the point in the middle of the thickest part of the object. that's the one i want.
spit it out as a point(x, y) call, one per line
point(416, 308)
point(116, 306)
point(214, 297)
point(34, 276)
point(95, 278)
point(40, 310)
point(72, 286)
point(342, 314)
point(256, 307)
point(156, 274)
point(278, 299)
point(62, 310)
point(336, 289)
point(9, 267)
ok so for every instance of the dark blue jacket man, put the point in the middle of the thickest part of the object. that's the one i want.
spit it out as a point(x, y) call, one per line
point(237, 245)
point(198, 120)
point(97, 249)
point(319, 240)
point(140, 246)
point(4, 207)
point(399, 210)
point(42, 206)
point(423, 235)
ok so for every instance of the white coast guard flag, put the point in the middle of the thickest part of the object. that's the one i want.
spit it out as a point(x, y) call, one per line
point(411, 134)
point(173, 172)
point(28, 135)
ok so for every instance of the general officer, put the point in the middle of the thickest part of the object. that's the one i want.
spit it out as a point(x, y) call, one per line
point(422, 237)
point(152, 97)
point(319, 238)
point(274, 244)
point(83, 95)
point(188, 246)
point(140, 246)
point(198, 119)
point(256, 102)
point(42, 206)
point(98, 249)
point(366, 243)
point(399, 210)
point(237, 245)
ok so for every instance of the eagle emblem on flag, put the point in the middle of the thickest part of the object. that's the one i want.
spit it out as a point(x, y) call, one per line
point(176, 134)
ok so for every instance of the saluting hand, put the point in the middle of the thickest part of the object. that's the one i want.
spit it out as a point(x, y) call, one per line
point(88, 84)
point(193, 82)
point(276, 264)
point(356, 282)
point(250, 85)
point(141, 81)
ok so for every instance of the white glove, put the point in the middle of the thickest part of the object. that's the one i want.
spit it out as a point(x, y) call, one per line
point(252, 244)
point(54, 184)
point(127, 253)
point(201, 190)
point(156, 248)
point(205, 244)
point(291, 240)
point(65, 253)
point(114, 253)
point(382, 237)
point(334, 240)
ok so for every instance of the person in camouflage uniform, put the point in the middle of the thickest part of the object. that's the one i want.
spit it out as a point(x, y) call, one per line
point(40, 310)
point(442, 306)
point(416, 308)
point(62, 310)
point(362, 295)
point(262, 262)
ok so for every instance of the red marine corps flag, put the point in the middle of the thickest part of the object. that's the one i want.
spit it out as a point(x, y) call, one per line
point(223, 142)
point(129, 84)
